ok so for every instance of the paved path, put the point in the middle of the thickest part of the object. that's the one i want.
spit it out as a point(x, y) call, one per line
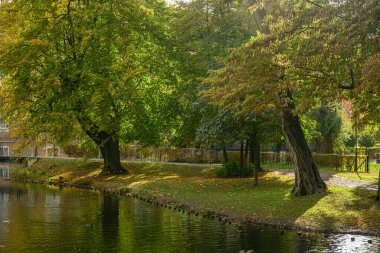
point(331, 179)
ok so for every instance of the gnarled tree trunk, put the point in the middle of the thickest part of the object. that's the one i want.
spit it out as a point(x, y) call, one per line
point(111, 155)
point(307, 178)
point(107, 143)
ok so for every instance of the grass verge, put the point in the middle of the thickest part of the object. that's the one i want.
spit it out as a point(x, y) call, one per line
point(197, 188)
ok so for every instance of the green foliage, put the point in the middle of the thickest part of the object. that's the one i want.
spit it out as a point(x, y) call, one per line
point(86, 69)
point(367, 137)
point(367, 140)
point(205, 31)
point(232, 169)
point(220, 127)
point(351, 141)
point(310, 128)
point(328, 126)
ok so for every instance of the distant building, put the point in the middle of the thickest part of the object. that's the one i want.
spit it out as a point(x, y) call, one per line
point(6, 142)
point(8, 147)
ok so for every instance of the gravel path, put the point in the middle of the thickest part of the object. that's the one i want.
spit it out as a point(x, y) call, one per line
point(331, 179)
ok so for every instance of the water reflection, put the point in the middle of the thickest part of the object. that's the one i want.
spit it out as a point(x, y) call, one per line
point(36, 218)
point(110, 222)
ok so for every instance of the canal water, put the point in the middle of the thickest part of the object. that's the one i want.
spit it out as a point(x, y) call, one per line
point(38, 218)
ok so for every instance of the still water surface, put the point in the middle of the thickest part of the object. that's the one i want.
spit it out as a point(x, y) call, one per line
point(37, 218)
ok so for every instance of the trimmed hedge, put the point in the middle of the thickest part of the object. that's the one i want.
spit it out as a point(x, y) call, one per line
point(340, 162)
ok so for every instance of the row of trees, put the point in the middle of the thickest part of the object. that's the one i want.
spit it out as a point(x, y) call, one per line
point(208, 72)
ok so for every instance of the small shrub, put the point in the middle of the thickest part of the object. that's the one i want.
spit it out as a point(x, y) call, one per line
point(232, 169)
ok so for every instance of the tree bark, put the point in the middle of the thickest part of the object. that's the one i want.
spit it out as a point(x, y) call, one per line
point(111, 156)
point(256, 157)
point(251, 150)
point(378, 189)
point(225, 155)
point(107, 143)
point(246, 153)
point(307, 178)
point(241, 164)
point(256, 153)
point(255, 150)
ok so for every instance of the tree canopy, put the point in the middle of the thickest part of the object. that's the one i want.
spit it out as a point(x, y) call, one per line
point(90, 66)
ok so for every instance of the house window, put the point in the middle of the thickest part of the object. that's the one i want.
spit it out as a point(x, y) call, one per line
point(4, 151)
point(52, 151)
point(3, 126)
point(4, 172)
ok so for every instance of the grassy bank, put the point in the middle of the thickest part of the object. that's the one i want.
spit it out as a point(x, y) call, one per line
point(195, 187)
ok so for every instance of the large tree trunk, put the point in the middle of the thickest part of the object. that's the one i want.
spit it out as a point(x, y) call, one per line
point(111, 156)
point(107, 143)
point(307, 178)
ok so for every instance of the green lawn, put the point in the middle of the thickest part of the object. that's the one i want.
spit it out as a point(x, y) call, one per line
point(374, 167)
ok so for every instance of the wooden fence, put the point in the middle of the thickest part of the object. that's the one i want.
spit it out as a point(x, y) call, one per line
point(280, 160)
